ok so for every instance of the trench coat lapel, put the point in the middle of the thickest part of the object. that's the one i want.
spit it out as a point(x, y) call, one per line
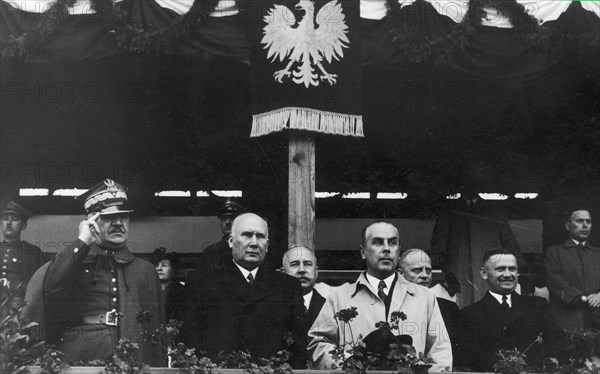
point(400, 290)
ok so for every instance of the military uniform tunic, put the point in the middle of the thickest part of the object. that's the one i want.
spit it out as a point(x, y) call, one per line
point(215, 256)
point(84, 287)
point(19, 261)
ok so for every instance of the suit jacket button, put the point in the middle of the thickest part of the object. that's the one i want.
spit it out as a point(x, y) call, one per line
point(504, 328)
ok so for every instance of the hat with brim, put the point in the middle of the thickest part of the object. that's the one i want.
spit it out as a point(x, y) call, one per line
point(230, 209)
point(380, 341)
point(107, 197)
point(160, 254)
point(14, 208)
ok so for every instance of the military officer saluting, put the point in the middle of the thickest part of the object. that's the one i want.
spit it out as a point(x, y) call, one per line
point(19, 258)
point(93, 290)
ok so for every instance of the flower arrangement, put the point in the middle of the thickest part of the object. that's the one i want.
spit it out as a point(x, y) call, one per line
point(17, 347)
point(511, 361)
point(123, 360)
point(380, 350)
point(166, 335)
point(277, 364)
point(583, 352)
point(186, 358)
point(52, 361)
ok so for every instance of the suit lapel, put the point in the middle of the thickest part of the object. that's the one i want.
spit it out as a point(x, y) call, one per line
point(518, 308)
point(495, 311)
point(232, 281)
point(316, 303)
point(264, 286)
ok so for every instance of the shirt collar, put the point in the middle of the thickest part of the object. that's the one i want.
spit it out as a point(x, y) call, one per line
point(307, 299)
point(411, 288)
point(498, 298)
point(583, 243)
point(375, 281)
point(246, 272)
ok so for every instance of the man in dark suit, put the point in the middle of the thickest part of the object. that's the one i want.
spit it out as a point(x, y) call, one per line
point(573, 275)
point(301, 262)
point(244, 306)
point(503, 319)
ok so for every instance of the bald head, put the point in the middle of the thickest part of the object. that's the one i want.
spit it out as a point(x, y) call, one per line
point(301, 262)
point(249, 240)
point(415, 266)
point(254, 218)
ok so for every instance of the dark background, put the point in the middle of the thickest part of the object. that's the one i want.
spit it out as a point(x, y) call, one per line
point(500, 116)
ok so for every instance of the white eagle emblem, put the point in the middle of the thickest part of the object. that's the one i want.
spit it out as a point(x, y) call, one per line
point(306, 42)
point(111, 187)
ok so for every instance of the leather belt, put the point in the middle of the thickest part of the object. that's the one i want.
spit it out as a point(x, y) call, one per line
point(109, 318)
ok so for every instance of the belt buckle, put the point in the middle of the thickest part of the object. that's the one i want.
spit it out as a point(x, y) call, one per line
point(112, 318)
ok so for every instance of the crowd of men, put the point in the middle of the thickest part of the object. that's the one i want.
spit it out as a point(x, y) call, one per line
point(89, 295)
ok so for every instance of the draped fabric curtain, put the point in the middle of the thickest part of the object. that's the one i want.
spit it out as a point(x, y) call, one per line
point(166, 110)
point(84, 34)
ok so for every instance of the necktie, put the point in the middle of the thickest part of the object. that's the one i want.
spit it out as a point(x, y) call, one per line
point(505, 303)
point(380, 292)
point(250, 278)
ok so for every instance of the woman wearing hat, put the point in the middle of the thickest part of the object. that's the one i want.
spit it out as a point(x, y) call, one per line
point(167, 266)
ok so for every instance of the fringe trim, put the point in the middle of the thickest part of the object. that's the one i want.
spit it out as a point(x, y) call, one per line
point(306, 119)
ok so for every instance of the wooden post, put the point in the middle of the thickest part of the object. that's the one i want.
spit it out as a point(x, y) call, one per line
point(301, 190)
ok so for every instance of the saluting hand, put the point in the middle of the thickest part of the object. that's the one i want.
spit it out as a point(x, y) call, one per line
point(88, 229)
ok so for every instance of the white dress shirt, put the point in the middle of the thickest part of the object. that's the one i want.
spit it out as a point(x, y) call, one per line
point(307, 299)
point(246, 272)
point(498, 297)
point(375, 282)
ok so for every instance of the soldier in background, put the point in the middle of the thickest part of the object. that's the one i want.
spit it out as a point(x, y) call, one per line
point(216, 255)
point(19, 258)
